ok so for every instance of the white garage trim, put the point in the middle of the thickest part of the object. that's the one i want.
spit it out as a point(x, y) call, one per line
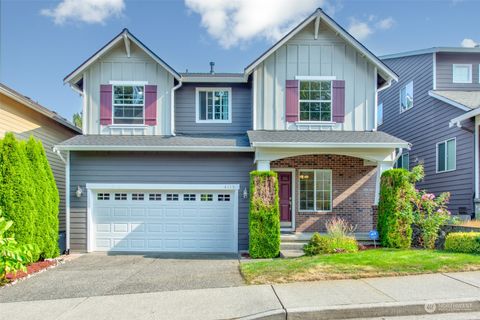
point(95, 187)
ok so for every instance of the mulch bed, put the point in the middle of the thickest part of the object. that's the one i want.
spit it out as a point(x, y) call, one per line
point(31, 269)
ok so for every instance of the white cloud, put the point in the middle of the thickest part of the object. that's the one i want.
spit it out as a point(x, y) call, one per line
point(363, 29)
point(469, 43)
point(360, 30)
point(88, 11)
point(234, 22)
point(385, 24)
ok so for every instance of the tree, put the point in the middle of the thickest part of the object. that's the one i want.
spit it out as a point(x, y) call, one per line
point(77, 119)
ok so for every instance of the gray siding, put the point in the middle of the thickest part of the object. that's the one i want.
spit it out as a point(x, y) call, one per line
point(445, 63)
point(156, 167)
point(185, 112)
point(426, 124)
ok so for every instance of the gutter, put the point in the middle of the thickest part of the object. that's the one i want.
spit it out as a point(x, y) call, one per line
point(153, 148)
point(172, 106)
point(332, 145)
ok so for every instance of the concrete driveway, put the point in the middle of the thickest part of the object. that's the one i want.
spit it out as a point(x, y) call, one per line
point(114, 274)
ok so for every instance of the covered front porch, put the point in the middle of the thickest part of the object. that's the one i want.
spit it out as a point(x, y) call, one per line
point(323, 175)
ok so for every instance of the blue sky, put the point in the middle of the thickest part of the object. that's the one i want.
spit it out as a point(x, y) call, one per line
point(41, 42)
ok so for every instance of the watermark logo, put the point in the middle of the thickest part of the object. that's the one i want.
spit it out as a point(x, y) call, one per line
point(448, 307)
point(430, 307)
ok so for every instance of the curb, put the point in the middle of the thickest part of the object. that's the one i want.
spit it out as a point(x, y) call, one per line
point(391, 309)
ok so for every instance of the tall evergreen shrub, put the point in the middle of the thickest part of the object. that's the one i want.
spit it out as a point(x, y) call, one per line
point(264, 217)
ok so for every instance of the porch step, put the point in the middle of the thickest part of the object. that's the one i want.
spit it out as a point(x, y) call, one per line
point(291, 253)
point(292, 245)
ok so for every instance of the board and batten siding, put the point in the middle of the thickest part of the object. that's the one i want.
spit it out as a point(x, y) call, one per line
point(156, 167)
point(24, 122)
point(185, 109)
point(426, 124)
point(116, 66)
point(445, 62)
point(328, 55)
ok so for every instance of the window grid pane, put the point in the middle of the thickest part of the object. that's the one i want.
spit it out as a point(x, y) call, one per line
point(128, 104)
point(315, 101)
point(450, 163)
point(214, 105)
point(441, 157)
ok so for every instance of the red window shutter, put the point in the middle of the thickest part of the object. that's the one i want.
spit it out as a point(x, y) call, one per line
point(338, 100)
point(291, 93)
point(151, 105)
point(105, 104)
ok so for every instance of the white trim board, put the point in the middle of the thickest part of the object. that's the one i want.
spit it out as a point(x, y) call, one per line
point(448, 101)
point(358, 145)
point(154, 148)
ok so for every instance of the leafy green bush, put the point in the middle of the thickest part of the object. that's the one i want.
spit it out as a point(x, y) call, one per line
point(395, 211)
point(264, 216)
point(465, 242)
point(13, 257)
point(329, 244)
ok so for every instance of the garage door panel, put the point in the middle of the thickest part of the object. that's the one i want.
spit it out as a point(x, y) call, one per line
point(164, 221)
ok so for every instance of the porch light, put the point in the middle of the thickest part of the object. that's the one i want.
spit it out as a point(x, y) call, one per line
point(79, 192)
point(245, 193)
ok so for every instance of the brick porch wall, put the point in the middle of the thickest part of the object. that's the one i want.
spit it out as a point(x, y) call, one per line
point(353, 186)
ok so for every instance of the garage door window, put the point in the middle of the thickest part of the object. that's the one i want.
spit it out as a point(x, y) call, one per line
point(155, 197)
point(223, 197)
point(189, 197)
point(138, 196)
point(120, 196)
point(206, 197)
point(172, 196)
point(103, 196)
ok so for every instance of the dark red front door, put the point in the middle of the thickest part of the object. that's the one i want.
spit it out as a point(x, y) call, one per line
point(285, 194)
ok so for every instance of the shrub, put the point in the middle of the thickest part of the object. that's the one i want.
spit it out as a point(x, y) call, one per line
point(264, 216)
point(329, 244)
point(13, 257)
point(465, 242)
point(395, 212)
point(338, 227)
point(430, 213)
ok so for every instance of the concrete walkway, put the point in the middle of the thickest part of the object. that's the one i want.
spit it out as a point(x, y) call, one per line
point(342, 299)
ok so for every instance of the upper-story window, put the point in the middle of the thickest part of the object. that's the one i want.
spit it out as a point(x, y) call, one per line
point(406, 97)
point(128, 104)
point(446, 155)
point(214, 105)
point(380, 113)
point(315, 100)
point(403, 161)
point(462, 73)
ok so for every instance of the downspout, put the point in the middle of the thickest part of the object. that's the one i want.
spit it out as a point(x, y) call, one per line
point(172, 104)
point(67, 196)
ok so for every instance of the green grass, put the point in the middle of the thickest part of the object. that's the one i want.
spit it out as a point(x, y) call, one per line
point(364, 264)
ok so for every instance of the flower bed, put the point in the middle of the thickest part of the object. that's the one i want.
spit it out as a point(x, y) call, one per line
point(32, 269)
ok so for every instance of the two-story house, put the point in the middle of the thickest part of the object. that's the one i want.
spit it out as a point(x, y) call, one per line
point(164, 161)
point(435, 107)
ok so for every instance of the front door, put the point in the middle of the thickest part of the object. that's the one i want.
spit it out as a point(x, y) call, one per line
point(285, 194)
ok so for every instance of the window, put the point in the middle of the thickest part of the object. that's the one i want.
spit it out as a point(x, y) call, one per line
point(155, 197)
point(189, 197)
point(403, 161)
point(214, 105)
point(138, 196)
point(120, 196)
point(103, 196)
point(406, 97)
point(380, 113)
point(223, 197)
point(316, 190)
point(462, 73)
point(206, 197)
point(172, 196)
point(128, 104)
point(315, 101)
point(446, 155)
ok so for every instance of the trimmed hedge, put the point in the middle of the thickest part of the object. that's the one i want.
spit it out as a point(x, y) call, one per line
point(395, 211)
point(465, 242)
point(29, 196)
point(264, 215)
point(329, 244)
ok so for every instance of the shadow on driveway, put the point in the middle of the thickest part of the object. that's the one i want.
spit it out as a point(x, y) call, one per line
point(98, 274)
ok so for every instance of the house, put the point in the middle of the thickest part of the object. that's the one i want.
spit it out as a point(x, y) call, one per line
point(165, 158)
point(25, 117)
point(434, 106)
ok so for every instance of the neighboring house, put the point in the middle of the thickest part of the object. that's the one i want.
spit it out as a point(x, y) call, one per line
point(435, 107)
point(25, 118)
point(165, 160)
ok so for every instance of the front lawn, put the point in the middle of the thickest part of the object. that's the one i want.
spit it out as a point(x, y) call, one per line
point(364, 264)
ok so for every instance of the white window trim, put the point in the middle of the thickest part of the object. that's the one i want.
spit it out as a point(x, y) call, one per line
point(315, 190)
point(462, 65)
point(212, 89)
point(400, 96)
point(436, 157)
point(315, 78)
point(127, 83)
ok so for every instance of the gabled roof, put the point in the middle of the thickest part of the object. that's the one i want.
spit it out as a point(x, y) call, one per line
point(319, 14)
point(122, 36)
point(26, 101)
point(429, 51)
point(465, 100)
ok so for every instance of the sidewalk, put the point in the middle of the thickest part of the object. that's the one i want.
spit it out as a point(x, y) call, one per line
point(341, 299)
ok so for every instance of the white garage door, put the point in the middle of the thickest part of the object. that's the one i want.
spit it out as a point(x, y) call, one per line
point(163, 220)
